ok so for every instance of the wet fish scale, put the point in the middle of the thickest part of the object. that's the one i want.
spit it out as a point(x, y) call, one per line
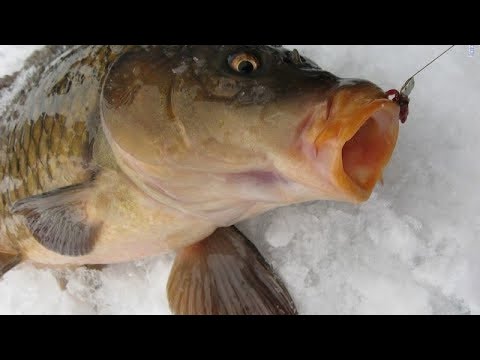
point(44, 135)
point(30, 162)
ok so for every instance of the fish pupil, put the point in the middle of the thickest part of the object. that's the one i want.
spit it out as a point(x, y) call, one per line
point(245, 67)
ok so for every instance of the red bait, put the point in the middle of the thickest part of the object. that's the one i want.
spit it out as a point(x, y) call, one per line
point(402, 100)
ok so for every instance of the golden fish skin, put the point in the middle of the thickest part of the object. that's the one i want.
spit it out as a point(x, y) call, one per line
point(47, 142)
point(45, 133)
point(116, 153)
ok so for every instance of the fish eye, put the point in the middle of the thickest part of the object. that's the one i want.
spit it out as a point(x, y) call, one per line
point(243, 63)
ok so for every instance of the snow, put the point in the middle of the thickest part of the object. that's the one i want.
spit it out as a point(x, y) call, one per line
point(411, 249)
point(12, 57)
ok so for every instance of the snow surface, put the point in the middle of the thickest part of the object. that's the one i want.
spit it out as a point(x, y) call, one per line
point(413, 248)
point(12, 57)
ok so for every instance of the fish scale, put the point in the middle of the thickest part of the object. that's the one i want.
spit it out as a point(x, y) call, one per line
point(38, 159)
point(47, 144)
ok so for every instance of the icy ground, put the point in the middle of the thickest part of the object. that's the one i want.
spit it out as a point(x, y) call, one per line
point(413, 248)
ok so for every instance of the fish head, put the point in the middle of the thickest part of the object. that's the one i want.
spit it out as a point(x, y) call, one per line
point(227, 132)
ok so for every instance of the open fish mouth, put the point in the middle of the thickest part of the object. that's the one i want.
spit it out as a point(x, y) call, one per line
point(365, 148)
point(367, 151)
point(350, 140)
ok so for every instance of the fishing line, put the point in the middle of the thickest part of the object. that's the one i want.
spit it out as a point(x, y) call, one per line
point(409, 84)
point(401, 97)
point(431, 62)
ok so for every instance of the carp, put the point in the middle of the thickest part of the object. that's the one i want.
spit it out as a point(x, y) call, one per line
point(117, 153)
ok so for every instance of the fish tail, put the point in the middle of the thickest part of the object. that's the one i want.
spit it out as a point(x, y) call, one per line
point(10, 256)
point(8, 261)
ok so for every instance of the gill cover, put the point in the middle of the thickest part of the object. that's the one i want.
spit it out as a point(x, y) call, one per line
point(136, 105)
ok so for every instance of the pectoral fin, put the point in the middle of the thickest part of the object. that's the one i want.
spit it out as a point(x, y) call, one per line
point(226, 275)
point(59, 220)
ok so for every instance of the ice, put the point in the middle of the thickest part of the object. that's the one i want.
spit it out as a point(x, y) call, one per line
point(413, 248)
point(12, 57)
point(26, 290)
point(133, 288)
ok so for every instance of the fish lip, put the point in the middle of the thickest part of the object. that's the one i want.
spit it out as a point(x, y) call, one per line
point(385, 111)
point(324, 149)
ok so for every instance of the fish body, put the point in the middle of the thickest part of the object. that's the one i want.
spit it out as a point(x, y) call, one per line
point(50, 140)
point(117, 153)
